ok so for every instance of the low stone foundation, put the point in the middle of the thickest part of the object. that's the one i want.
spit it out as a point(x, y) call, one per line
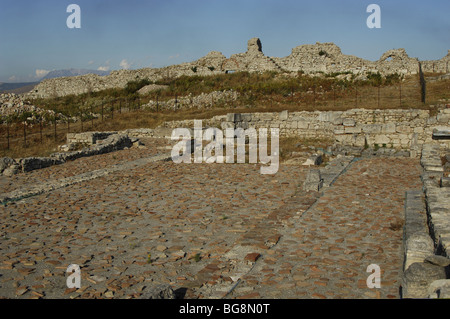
point(427, 231)
point(112, 143)
point(399, 129)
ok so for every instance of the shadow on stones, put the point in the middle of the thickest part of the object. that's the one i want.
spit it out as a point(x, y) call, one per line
point(180, 293)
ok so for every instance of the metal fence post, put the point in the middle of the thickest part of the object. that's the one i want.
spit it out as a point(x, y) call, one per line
point(7, 133)
point(24, 134)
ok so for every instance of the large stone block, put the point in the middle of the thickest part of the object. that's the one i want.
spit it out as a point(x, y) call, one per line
point(381, 139)
point(439, 289)
point(284, 115)
point(372, 128)
point(352, 129)
point(418, 277)
point(314, 181)
point(418, 247)
point(332, 117)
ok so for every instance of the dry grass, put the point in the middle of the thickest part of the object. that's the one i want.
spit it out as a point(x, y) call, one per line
point(262, 93)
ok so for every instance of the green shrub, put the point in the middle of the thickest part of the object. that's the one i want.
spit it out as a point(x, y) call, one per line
point(134, 86)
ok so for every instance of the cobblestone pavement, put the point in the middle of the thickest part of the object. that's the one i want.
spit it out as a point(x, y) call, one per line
point(208, 230)
point(325, 251)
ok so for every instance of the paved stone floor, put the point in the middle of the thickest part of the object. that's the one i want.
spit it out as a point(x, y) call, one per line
point(208, 230)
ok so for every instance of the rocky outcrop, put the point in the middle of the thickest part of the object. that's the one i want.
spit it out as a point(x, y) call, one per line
point(13, 105)
point(203, 100)
point(308, 58)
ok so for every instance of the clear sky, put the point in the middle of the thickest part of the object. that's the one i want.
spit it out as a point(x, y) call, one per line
point(115, 34)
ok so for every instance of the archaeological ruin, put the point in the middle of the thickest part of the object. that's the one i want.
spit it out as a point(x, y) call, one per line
point(310, 59)
point(140, 225)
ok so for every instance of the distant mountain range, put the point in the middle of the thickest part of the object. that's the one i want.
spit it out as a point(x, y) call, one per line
point(19, 88)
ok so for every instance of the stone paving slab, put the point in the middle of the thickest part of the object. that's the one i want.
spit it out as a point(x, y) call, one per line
point(209, 231)
point(81, 165)
point(325, 251)
point(158, 223)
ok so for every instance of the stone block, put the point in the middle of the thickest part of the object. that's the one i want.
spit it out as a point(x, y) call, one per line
point(158, 292)
point(339, 130)
point(284, 115)
point(11, 170)
point(348, 122)
point(372, 128)
point(439, 289)
point(445, 182)
point(33, 163)
point(438, 260)
point(443, 118)
point(314, 181)
point(417, 248)
point(5, 162)
point(418, 277)
point(313, 160)
point(330, 117)
point(381, 139)
point(352, 129)
point(247, 117)
point(234, 117)
point(303, 124)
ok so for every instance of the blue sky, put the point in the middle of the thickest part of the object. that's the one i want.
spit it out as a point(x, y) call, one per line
point(115, 34)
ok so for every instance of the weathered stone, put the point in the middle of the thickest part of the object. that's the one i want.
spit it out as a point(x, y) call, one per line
point(418, 277)
point(313, 160)
point(5, 162)
point(33, 163)
point(12, 170)
point(439, 289)
point(445, 181)
point(254, 45)
point(438, 260)
point(284, 115)
point(418, 247)
point(349, 122)
point(314, 181)
point(158, 292)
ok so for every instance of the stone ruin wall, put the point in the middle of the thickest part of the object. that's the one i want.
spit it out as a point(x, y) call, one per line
point(437, 66)
point(319, 57)
point(399, 129)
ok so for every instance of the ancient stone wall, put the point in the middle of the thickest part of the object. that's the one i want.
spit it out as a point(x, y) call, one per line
point(310, 59)
point(437, 66)
point(399, 129)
